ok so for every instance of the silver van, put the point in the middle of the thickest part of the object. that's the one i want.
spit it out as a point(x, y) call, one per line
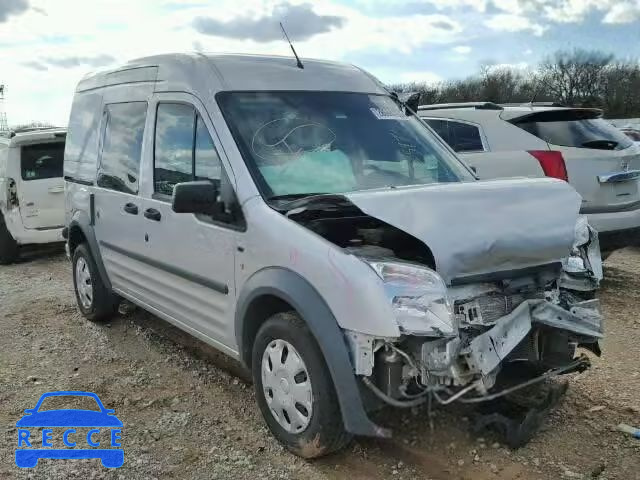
point(302, 220)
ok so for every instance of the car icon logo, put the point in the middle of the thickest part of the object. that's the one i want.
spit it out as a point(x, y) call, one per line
point(78, 445)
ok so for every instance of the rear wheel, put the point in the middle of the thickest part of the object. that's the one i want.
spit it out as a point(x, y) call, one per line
point(294, 390)
point(9, 250)
point(95, 301)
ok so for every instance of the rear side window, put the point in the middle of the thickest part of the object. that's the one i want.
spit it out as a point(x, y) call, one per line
point(465, 137)
point(461, 137)
point(184, 150)
point(441, 128)
point(568, 129)
point(122, 146)
point(42, 161)
point(632, 134)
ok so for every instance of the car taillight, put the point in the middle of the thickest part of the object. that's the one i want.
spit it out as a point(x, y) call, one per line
point(12, 193)
point(552, 163)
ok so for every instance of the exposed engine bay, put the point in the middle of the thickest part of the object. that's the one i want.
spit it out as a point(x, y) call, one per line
point(459, 335)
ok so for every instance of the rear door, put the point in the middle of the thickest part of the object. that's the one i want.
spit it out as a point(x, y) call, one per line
point(41, 186)
point(603, 164)
point(118, 205)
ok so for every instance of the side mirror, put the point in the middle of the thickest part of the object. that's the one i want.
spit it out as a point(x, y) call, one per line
point(29, 411)
point(411, 101)
point(195, 197)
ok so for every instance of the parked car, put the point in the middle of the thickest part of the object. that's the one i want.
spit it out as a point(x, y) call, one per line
point(31, 189)
point(535, 140)
point(304, 222)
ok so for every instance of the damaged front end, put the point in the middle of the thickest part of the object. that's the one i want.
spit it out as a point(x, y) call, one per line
point(491, 286)
point(459, 341)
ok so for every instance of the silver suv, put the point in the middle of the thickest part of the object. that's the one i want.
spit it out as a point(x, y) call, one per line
point(304, 222)
point(535, 140)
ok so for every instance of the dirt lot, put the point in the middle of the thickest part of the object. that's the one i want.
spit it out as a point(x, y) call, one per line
point(188, 415)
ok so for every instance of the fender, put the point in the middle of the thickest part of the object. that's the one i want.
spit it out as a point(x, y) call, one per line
point(303, 297)
point(82, 221)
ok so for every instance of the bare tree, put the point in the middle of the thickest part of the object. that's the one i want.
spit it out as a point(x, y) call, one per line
point(576, 78)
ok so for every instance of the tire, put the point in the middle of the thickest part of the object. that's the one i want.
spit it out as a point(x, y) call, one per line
point(9, 249)
point(95, 301)
point(323, 431)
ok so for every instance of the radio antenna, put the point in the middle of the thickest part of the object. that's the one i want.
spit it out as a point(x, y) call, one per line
point(299, 63)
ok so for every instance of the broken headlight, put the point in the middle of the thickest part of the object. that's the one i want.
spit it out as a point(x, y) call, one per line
point(418, 298)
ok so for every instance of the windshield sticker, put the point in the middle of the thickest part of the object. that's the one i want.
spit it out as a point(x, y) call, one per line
point(386, 112)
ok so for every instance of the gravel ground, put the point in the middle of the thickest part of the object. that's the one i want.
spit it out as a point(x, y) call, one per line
point(190, 413)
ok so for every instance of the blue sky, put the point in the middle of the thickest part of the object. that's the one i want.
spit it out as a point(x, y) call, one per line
point(46, 47)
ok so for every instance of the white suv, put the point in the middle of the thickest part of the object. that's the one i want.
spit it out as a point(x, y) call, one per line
point(536, 140)
point(31, 189)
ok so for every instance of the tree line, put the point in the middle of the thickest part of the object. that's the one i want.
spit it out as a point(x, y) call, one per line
point(579, 78)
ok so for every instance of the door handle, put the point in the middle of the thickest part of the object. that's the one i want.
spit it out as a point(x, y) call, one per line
point(56, 190)
point(152, 214)
point(131, 208)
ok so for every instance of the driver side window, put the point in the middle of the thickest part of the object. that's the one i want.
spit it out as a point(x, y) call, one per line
point(184, 151)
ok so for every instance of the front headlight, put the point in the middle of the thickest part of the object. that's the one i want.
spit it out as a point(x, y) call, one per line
point(581, 231)
point(418, 298)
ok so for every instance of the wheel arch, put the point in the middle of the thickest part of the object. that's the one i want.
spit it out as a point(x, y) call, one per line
point(81, 231)
point(273, 290)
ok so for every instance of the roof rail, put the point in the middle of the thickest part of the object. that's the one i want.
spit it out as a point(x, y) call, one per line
point(474, 105)
point(534, 104)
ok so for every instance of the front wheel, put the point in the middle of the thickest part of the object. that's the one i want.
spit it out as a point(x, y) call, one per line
point(95, 301)
point(294, 390)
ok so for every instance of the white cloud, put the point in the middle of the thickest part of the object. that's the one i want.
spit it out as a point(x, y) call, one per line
point(514, 23)
point(462, 49)
point(626, 12)
point(43, 55)
point(573, 11)
point(47, 48)
point(479, 5)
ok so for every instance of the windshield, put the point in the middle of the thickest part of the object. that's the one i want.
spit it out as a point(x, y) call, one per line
point(302, 143)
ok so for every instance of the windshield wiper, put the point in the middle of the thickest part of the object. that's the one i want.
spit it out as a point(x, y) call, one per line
point(294, 196)
point(320, 201)
point(601, 144)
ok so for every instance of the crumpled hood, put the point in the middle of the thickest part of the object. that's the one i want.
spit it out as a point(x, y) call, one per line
point(482, 227)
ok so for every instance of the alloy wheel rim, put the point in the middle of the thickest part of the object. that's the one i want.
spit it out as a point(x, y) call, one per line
point(287, 386)
point(84, 286)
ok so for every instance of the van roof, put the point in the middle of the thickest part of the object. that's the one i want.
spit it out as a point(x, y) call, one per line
point(226, 72)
